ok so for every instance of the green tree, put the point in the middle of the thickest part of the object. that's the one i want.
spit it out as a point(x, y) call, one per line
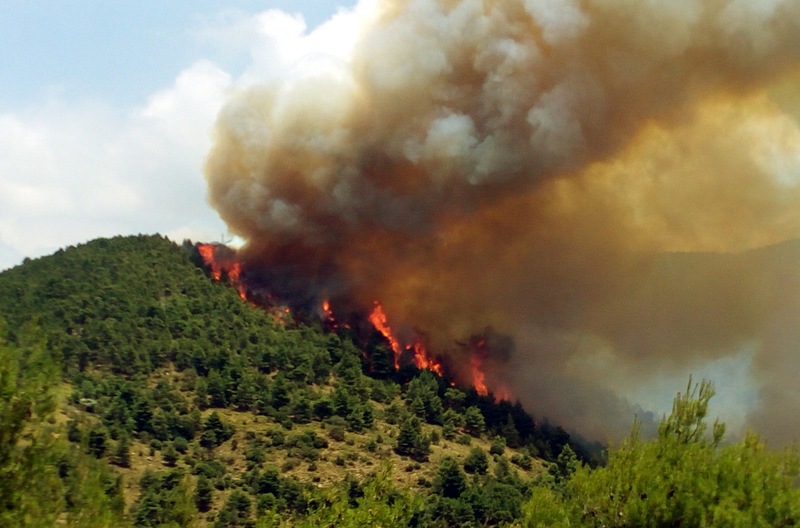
point(565, 465)
point(203, 493)
point(410, 440)
point(235, 512)
point(98, 440)
point(495, 503)
point(474, 423)
point(423, 398)
point(218, 389)
point(170, 455)
point(451, 420)
point(683, 477)
point(44, 481)
point(122, 452)
point(165, 499)
point(476, 461)
point(27, 482)
point(215, 431)
point(498, 445)
point(378, 503)
point(450, 481)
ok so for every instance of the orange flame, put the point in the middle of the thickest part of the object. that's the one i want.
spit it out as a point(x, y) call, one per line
point(423, 360)
point(233, 271)
point(479, 352)
point(478, 377)
point(502, 394)
point(207, 252)
point(326, 309)
point(381, 324)
point(421, 357)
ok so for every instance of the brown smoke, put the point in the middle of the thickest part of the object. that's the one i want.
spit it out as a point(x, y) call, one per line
point(611, 183)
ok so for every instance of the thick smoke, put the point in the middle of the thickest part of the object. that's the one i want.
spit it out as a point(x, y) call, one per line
point(614, 184)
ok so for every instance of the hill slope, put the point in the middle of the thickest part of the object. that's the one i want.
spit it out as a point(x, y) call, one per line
point(218, 412)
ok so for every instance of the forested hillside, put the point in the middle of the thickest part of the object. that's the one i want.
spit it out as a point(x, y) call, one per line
point(137, 391)
point(220, 412)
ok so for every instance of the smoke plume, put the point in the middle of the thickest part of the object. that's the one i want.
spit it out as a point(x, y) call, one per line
point(613, 184)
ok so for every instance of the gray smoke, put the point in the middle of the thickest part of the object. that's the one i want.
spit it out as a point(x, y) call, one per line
point(594, 179)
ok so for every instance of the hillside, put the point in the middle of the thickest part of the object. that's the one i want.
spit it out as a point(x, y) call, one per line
point(216, 412)
point(135, 390)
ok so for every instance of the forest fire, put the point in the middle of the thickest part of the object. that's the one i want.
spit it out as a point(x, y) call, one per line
point(219, 267)
point(378, 319)
point(478, 376)
point(478, 351)
point(421, 358)
point(223, 265)
point(328, 313)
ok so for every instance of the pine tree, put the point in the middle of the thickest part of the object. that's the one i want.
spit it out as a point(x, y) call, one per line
point(474, 422)
point(170, 455)
point(476, 461)
point(204, 493)
point(450, 481)
point(98, 440)
point(410, 440)
point(122, 452)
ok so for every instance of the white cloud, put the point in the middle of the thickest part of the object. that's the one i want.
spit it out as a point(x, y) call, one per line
point(73, 170)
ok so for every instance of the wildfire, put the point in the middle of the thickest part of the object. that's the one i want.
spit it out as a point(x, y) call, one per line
point(479, 350)
point(219, 264)
point(420, 355)
point(207, 252)
point(478, 376)
point(423, 360)
point(502, 394)
point(233, 270)
point(381, 324)
point(327, 312)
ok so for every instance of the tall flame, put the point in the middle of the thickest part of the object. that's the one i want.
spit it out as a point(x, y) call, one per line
point(381, 324)
point(423, 359)
point(420, 356)
point(478, 376)
point(207, 252)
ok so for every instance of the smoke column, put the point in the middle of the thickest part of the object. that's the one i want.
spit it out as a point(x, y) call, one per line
point(614, 185)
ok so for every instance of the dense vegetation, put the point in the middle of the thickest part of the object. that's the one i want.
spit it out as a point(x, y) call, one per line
point(683, 477)
point(134, 390)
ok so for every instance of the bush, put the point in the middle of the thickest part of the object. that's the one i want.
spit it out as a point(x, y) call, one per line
point(180, 444)
point(337, 433)
point(476, 461)
point(523, 460)
point(289, 464)
point(498, 446)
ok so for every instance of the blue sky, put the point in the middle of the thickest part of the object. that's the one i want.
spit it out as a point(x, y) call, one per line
point(115, 51)
point(106, 110)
